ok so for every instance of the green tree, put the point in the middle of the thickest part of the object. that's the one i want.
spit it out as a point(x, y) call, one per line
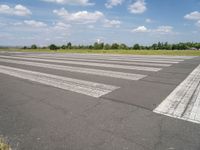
point(69, 45)
point(115, 46)
point(53, 47)
point(154, 46)
point(33, 46)
point(159, 45)
point(25, 47)
point(123, 46)
point(136, 46)
point(98, 45)
point(106, 46)
point(64, 47)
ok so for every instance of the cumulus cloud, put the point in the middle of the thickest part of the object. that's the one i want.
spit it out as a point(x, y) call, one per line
point(198, 23)
point(82, 17)
point(18, 10)
point(111, 3)
point(62, 26)
point(36, 24)
point(148, 20)
point(138, 7)
point(158, 30)
point(140, 29)
point(164, 29)
point(75, 2)
point(112, 23)
point(195, 15)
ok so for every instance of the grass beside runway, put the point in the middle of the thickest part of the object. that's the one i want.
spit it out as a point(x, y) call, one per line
point(131, 52)
point(4, 145)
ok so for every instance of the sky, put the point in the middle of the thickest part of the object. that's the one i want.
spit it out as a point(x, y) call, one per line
point(43, 22)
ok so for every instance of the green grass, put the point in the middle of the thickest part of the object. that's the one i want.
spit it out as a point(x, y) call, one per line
point(131, 52)
point(4, 145)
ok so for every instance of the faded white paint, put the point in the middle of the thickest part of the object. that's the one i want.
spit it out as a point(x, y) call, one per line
point(103, 58)
point(89, 64)
point(113, 74)
point(108, 61)
point(116, 56)
point(184, 101)
point(80, 86)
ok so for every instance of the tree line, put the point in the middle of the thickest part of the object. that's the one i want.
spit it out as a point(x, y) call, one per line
point(106, 46)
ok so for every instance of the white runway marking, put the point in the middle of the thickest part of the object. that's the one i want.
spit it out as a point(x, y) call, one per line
point(89, 64)
point(80, 86)
point(116, 56)
point(108, 61)
point(114, 74)
point(184, 101)
point(108, 58)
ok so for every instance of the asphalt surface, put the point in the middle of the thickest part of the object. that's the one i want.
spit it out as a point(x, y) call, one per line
point(92, 102)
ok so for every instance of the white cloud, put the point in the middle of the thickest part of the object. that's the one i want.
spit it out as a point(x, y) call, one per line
point(112, 23)
point(111, 3)
point(76, 2)
point(62, 26)
point(198, 23)
point(36, 24)
point(148, 20)
point(91, 26)
point(21, 10)
point(82, 17)
point(195, 15)
point(164, 29)
point(140, 29)
point(138, 7)
point(158, 30)
point(17, 23)
point(18, 10)
point(5, 9)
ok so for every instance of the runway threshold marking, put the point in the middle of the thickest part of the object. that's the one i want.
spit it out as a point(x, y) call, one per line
point(80, 86)
point(90, 64)
point(184, 101)
point(106, 61)
point(113, 74)
point(111, 59)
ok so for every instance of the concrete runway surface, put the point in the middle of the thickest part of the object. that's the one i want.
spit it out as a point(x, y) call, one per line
point(53, 101)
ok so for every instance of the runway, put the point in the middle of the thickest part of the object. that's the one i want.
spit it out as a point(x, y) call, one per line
point(93, 101)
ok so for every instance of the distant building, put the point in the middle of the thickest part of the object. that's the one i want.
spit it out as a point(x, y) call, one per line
point(193, 48)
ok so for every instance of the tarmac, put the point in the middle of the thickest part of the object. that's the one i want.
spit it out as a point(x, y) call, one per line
point(54, 101)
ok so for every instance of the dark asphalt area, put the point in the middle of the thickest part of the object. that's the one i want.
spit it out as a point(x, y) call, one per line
point(34, 116)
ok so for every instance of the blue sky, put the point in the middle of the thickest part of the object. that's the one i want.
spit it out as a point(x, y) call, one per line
point(42, 22)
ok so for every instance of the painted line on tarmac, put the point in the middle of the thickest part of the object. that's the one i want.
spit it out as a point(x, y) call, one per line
point(113, 74)
point(184, 101)
point(89, 64)
point(79, 86)
point(109, 57)
point(119, 56)
point(106, 58)
point(108, 61)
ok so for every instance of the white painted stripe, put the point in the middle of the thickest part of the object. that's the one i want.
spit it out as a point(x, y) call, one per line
point(108, 61)
point(113, 74)
point(119, 55)
point(105, 58)
point(80, 86)
point(109, 57)
point(184, 101)
point(90, 64)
